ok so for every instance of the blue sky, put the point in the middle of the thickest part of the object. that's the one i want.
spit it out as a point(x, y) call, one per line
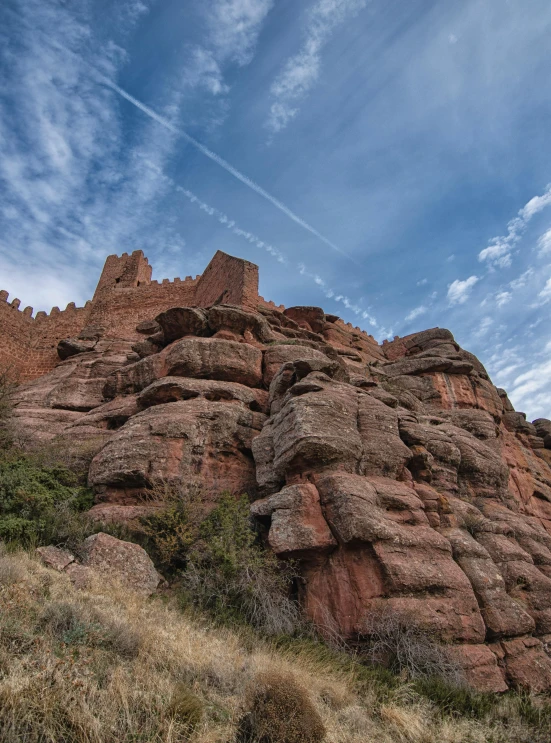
point(387, 160)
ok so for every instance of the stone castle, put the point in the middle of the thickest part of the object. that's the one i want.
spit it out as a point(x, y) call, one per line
point(124, 296)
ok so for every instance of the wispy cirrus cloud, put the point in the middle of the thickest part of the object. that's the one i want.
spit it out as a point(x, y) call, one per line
point(416, 312)
point(459, 291)
point(545, 293)
point(70, 186)
point(338, 296)
point(225, 165)
point(302, 70)
point(503, 298)
point(499, 252)
point(233, 27)
point(544, 243)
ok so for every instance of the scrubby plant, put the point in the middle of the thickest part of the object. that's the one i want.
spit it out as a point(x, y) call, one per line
point(397, 641)
point(39, 505)
point(231, 575)
point(185, 707)
point(280, 712)
point(170, 532)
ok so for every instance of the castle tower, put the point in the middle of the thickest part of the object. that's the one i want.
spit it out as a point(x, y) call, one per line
point(126, 271)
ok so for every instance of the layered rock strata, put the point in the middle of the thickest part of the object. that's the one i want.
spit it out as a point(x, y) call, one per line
point(397, 476)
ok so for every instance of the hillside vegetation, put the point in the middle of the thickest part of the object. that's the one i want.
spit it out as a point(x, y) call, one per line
point(221, 656)
point(106, 666)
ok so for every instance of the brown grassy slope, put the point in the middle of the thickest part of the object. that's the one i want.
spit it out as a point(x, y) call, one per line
point(106, 666)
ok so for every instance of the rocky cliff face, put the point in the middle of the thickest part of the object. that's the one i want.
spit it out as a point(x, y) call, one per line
point(397, 476)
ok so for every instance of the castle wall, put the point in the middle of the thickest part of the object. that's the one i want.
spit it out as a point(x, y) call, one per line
point(125, 295)
point(28, 345)
point(119, 310)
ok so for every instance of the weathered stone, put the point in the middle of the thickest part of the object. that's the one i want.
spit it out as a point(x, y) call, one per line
point(73, 346)
point(312, 317)
point(398, 476)
point(480, 668)
point(200, 444)
point(527, 665)
point(213, 358)
point(239, 322)
point(181, 321)
point(297, 522)
point(174, 389)
point(119, 560)
point(55, 557)
point(148, 327)
point(275, 356)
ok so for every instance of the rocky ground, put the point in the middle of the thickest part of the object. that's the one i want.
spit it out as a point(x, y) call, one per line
point(397, 476)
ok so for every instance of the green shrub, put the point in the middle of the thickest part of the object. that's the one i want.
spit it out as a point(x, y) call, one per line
point(231, 575)
point(169, 533)
point(38, 505)
point(280, 712)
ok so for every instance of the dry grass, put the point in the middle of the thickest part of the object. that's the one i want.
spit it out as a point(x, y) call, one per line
point(106, 666)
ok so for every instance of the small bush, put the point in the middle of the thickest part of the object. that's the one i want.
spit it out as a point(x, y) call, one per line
point(185, 707)
point(65, 621)
point(39, 505)
point(171, 532)
point(117, 635)
point(397, 642)
point(280, 712)
point(232, 576)
point(11, 570)
point(79, 624)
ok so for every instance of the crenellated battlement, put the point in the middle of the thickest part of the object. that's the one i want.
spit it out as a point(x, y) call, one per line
point(125, 295)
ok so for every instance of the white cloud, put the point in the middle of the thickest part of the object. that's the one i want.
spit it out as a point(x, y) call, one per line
point(203, 71)
point(502, 298)
point(530, 391)
point(330, 293)
point(417, 312)
point(459, 291)
point(544, 243)
point(483, 326)
point(535, 205)
point(302, 70)
point(232, 30)
point(499, 251)
point(234, 26)
point(522, 280)
point(71, 181)
point(422, 282)
point(545, 293)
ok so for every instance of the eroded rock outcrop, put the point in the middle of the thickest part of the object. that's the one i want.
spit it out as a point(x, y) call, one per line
point(397, 476)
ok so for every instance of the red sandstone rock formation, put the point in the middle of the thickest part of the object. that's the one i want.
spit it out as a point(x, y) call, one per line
point(397, 475)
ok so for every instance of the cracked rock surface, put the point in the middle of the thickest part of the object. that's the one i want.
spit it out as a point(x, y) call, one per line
point(396, 476)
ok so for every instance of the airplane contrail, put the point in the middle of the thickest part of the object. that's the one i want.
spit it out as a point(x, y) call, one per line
point(228, 167)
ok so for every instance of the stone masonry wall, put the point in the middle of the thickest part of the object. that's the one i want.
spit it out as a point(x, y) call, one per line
point(125, 295)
